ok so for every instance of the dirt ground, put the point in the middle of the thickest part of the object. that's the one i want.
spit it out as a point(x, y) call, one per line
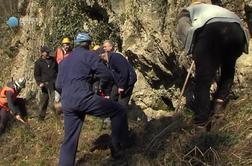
point(227, 143)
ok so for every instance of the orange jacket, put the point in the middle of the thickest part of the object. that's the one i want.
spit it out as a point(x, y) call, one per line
point(3, 97)
point(60, 55)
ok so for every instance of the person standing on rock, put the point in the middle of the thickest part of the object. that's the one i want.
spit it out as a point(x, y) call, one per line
point(45, 73)
point(10, 104)
point(78, 99)
point(215, 38)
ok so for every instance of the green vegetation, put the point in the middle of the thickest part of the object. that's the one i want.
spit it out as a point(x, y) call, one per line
point(72, 17)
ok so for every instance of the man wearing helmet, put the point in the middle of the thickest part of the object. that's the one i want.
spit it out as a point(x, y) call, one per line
point(10, 104)
point(78, 99)
point(60, 54)
point(63, 51)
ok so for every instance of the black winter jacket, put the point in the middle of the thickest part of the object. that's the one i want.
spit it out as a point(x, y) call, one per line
point(45, 71)
point(123, 73)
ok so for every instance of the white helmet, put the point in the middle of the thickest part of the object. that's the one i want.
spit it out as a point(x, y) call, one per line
point(20, 83)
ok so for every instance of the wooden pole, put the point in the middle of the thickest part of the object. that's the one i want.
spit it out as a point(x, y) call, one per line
point(183, 88)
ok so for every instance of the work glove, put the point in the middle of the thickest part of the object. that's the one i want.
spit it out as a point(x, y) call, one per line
point(18, 117)
point(41, 85)
point(120, 91)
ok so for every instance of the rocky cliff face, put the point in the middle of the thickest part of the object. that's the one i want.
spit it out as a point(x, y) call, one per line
point(144, 30)
point(150, 43)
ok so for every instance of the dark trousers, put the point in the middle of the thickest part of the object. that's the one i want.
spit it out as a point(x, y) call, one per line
point(73, 121)
point(122, 99)
point(46, 97)
point(104, 85)
point(5, 116)
point(218, 45)
point(20, 106)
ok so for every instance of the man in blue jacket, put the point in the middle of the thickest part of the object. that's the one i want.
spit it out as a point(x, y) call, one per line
point(78, 99)
point(124, 76)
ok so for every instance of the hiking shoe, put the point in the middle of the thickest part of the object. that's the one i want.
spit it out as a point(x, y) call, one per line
point(131, 140)
point(103, 142)
point(201, 126)
point(218, 109)
point(200, 121)
point(116, 151)
point(219, 106)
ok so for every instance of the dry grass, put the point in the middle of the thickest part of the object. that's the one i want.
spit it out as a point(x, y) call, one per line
point(228, 142)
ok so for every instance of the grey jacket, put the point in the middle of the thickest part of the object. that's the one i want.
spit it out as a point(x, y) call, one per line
point(196, 16)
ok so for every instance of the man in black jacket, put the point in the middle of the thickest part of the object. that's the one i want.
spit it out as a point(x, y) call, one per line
point(124, 76)
point(45, 73)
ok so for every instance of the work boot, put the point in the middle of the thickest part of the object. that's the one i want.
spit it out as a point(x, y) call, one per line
point(202, 125)
point(200, 120)
point(219, 107)
point(116, 151)
point(103, 142)
point(131, 140)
